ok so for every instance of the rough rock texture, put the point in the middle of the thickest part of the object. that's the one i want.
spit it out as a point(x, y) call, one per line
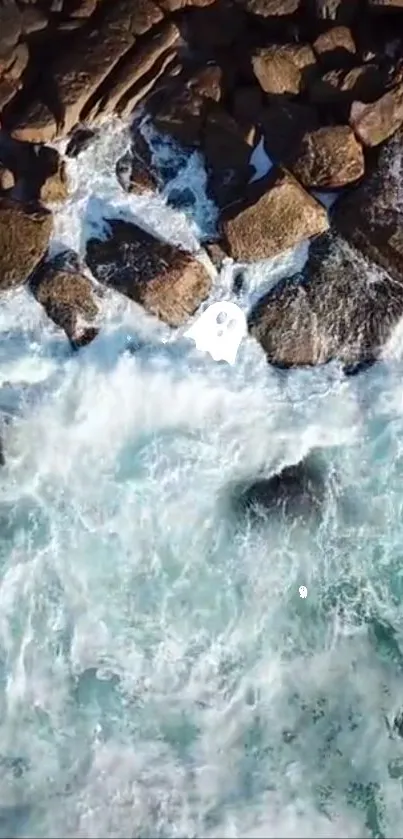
point(375, 122)
point(283, 69)
point(335, 48)
point(183, 110)
point(24, 236)
point(329, 158)
point(167, 281)
point(341, 87)
point(271, 8)
point(6, 179)
point(334, 310)
point(296, 491)
point(70, 300)
point(134, 175)
point(274, 216)
point(371, 217)
point(343, 12)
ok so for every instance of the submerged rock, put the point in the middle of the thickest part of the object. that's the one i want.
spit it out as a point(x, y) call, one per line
point(70, 300)
point(169, 282)
point(296, 491)
point(24, 237)
point(337, 308)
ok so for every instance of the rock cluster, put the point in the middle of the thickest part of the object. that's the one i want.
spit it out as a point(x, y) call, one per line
point(317, 83)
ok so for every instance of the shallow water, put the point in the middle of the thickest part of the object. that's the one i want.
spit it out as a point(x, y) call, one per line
point(160, 675)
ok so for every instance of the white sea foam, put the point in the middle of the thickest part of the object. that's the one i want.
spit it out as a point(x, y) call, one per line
point(160, 674)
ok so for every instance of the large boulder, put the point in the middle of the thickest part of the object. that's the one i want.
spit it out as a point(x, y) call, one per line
point(274, 215)
point(335, 309)
point(70, 300)
point(24, 237)
point(370, 217)
point(329, 158)
point(375, 122)
point(335, 48)
point(169, 282)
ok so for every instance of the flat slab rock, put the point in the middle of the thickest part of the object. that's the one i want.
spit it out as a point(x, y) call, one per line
point(167, 281)
point(332, 310)
point(371, 216)
point(24, 237)
point(274, 216)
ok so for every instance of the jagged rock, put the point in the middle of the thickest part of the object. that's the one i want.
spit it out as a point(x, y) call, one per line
point(134, 175)
point(227, 152)
point(377, 121)
point(55, 187)
point(370, 217)
point(24, 236)
point(6, 179)
point(167, 281)
point(335, 48)
point(79, 141)
point(284, 125)
point(78, 73)
point(70, 300)
point(329, 158)
point(143, 62)
point(343, 12)
point(296, 491)
point(274, 215)
point(340, 87)
point(335, 309)
point(182, 112)
point(10, 27)
point(283, 68)
point(271, 8)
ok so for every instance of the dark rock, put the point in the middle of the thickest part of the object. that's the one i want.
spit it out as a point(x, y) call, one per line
point(70, 300)
point(386, 5)
point(24, 236)
point(182, 113)
point(79, 141)
point(375, 122)
point(335, 309)
point(296, 491)
point(169, 282)
point(181, 199)
point(216, 253)
point(271, 8)
point(227, 152)
point(10, 27)
point(217, 26)
point(335, 48)
point(370, 216)
point(274, 215)
point(341, 87)
point(134, 175)
point(247, 104)
point(284, 125)
point(329, 158)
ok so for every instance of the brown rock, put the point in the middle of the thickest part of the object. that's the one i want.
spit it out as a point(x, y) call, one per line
point(6, 179)
point(284, 126)
point(24, 237)
point(343, 12)
point(271, 8)
point(333, 310)
point(216, 253)
point(227, 152)
point(370, 217)
point(80, 71)
point(139, 63)
point(385, 5)
point(32, 19)
point(175, 5)
point(329, 158)
point(18, 64)
point(10, 27)
point(182, 112)
point(85, 8)
point(275, 215)
point(69, 299)
point(79, 141)
point(167, 281)
point(134, 175)
point(377, 121)
point(55, 188)
point(277, 70)
point(335, 48)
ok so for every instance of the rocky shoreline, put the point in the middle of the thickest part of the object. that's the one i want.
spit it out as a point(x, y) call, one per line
point(318, 83)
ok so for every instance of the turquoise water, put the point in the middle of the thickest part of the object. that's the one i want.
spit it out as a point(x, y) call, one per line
point(160, 675)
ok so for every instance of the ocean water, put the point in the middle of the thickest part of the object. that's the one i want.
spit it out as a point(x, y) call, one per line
point(160, 674)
